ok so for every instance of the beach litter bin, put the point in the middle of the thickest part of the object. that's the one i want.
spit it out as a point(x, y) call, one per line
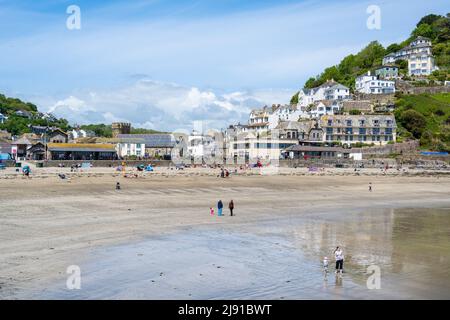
point(18, 165)
point(39, 165)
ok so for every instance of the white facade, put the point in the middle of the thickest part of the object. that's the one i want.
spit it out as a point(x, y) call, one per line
point(130, 149)
point(79, 133)
point(330, 90)
point(420, 46)
point(284, 113)
point(322, 108)
point(3, 118)
point(371, 84)
point(259, 120)
point(421, 65)
point(200, 146)
point(419, 56)
point(251, 148)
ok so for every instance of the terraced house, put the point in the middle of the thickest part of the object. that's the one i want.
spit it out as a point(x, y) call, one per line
point(349, 129)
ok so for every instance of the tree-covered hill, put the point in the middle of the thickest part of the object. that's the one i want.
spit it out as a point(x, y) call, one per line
point(425, 117)
point(18, 125)
point(432, 26)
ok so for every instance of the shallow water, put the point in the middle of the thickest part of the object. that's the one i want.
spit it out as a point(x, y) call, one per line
point(278, 259)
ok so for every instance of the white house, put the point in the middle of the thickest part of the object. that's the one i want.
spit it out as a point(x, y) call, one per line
point(284, 113)
point(259, 119)
point(419, 56)
point(370, 84)
point(330, 90)
point(130, 148)
point(421, 65)
point(324, 107)
point(3, 118)
point(80, 133)
point(202, 146)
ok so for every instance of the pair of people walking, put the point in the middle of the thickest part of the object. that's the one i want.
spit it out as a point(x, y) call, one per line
point(220, 208)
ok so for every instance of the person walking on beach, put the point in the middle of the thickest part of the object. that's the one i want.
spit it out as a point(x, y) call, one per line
point(231, 207)
point(370, 186)
point(211, 211)
point(219, 208)
point(339, 256)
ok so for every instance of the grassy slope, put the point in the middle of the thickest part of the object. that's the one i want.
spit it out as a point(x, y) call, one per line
point(436, 109)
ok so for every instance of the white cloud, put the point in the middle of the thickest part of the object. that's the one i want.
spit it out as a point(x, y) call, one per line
point(163, 106)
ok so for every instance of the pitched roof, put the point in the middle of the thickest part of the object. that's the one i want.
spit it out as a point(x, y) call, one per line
point(150, 140)
point(22, 140)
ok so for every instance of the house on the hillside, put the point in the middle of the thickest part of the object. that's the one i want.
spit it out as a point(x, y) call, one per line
point(386, 72)
point(40, 130)
point(371, 84)
point(23, 114)
point(330, 90)
point(3, 118)
point(324, 107)
point(419, 56)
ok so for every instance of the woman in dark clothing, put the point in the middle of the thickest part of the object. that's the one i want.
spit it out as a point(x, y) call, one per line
point(219, 207)
point(231, 207)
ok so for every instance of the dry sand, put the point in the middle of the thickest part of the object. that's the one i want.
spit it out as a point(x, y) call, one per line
point(47, 224)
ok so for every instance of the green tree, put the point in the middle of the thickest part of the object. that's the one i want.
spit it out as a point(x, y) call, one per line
point(294, 99)
point(414, 122)
point(424, 30)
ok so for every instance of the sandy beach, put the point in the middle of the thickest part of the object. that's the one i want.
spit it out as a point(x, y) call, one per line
point(48, 224)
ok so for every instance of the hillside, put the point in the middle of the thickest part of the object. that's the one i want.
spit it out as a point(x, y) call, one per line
point(432, 26)
point(425, 117)
point(18, 125)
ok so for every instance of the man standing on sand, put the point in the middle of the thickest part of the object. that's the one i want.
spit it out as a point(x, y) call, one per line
point(370, 186)
point(219, 208)
point(339, 256)
point(231, 207)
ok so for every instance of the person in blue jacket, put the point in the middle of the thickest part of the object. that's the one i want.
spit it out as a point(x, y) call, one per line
point(219, 207)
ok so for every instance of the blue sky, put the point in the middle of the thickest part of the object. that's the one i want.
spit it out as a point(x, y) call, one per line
point(164, 63)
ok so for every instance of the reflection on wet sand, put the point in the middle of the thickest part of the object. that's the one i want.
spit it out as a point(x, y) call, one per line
point(411, 246)
point(278, 260)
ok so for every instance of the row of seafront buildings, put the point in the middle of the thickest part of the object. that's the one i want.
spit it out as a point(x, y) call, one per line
point(48, 143)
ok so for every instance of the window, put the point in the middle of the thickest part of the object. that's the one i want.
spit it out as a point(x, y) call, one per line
point(376, 131)
point(348, 123)
point(362, 130)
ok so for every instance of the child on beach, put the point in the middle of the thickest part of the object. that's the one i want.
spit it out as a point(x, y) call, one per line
point(211, 210)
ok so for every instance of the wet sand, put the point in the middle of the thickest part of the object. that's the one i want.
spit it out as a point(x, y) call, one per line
point(123, 240)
